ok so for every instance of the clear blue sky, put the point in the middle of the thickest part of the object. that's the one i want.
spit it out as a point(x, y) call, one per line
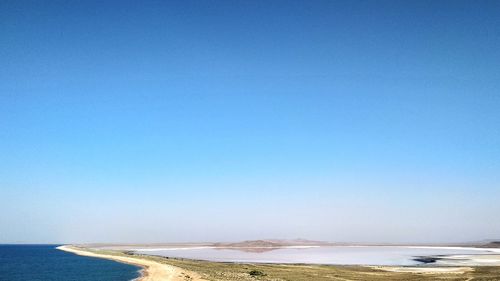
point(150, 121)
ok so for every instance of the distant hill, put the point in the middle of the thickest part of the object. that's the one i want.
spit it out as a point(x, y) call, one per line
point(252, 243)
point(492, 244)
point(272, 243)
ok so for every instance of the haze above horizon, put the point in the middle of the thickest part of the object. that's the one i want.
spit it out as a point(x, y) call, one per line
point(165, 121)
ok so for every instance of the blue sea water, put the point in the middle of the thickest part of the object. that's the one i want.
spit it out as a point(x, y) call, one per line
point(46, 263)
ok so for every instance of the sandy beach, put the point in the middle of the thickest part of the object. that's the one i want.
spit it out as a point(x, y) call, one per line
point(152, 271)
point(425, 270)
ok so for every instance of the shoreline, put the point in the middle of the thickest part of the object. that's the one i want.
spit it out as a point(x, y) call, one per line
point(151, 270)
point(146, 264)
point(155, 268)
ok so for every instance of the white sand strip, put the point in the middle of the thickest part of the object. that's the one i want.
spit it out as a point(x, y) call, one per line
point(152, 271)
point(424, 269)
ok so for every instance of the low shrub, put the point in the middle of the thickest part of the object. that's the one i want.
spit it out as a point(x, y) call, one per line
point(256, 273)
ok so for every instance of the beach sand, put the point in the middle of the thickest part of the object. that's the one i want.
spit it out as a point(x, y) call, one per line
point(422, 269)
point(152, 271)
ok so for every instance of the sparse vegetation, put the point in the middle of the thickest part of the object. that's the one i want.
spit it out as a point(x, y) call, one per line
point(256, 273)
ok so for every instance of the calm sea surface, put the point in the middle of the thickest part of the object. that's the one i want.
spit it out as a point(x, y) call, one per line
point(45, 263)
point(342, 255)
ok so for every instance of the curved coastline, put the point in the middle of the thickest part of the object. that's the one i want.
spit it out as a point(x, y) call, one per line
point(151, 270)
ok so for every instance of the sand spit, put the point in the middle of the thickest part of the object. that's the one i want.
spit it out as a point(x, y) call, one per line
point(470, 260)
point(424, 269)
point(152, 270)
